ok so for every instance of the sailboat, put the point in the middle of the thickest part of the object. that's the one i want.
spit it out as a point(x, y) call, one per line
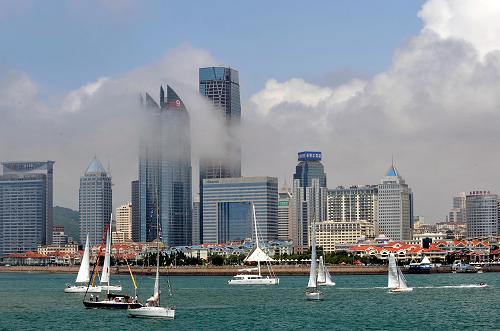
point(246, 277)
point(153, 309)
point(396, 279)
point(105, 286)
point(83, 276)
point(324, 277)
point(312, 291)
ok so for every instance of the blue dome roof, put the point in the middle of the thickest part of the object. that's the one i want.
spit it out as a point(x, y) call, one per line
point(95, 167)
point(392, 172)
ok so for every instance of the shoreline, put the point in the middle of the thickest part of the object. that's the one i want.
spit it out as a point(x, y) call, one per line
point(290, 270)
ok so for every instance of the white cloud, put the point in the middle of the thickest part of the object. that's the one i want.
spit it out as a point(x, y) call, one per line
point(475, 21)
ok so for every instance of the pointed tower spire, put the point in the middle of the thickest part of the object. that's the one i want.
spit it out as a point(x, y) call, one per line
point(162, 97)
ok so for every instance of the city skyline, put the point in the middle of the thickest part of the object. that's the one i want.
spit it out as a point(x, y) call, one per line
point(388, 109)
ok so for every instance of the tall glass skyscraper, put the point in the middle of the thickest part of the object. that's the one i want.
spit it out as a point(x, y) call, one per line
point(221, 86)
point(165, 170)
point(136, 214)
point(95, 202)
point(308, 202)
point(25, 206)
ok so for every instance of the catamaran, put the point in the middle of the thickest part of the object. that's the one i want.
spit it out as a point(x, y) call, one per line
point(396, 279)
point(83, 276)
point(324, 277)
point(153, 309)
point(312, 291)
point(246, 277)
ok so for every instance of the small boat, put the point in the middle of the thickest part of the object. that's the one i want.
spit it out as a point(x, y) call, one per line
point(422, 267)
point(396, 279)
point(324, 277)
point(312, 292)
point(153, 309)
point(83, 276)
point(482, 285)
point(256, 255)
point(459, 267)
point(112, 301)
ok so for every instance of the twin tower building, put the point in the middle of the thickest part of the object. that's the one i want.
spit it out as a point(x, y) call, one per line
point(165, 174)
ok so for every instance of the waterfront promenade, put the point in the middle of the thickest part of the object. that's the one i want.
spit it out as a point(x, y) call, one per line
point(282, 270)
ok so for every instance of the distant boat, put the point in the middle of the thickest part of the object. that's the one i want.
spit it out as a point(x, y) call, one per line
point(257, 255)
point(153, 309)
point(312, 291)
point(422, 267)
point(324, 277)
point(396, 279)
point(460, 267)
point(83, 275)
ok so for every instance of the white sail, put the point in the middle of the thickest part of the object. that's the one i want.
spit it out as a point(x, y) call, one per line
point(258, 255)
point(83, 273)
point(425, 260)
point(313, 274)
point(328, 278)
point(402, 280)
point(392, 281)
point(107, 257)
point(321, 271)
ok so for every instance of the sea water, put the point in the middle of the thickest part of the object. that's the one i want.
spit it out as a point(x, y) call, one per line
point(31, 301)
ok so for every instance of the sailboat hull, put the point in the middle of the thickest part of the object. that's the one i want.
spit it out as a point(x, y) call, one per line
point(253, 280)
point(109, 304)
point(82, 289)
point(315, 295)
point(400, 290)
point(111, 287)
point(327, 284)
point(153, 312)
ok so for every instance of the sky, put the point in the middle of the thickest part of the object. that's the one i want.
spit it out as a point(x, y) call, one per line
point(361, 81)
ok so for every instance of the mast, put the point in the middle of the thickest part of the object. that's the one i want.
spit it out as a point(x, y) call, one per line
point(256, 235)
point(157, 280)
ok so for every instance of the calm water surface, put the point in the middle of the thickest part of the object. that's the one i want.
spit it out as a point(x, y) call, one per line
point(438, 302)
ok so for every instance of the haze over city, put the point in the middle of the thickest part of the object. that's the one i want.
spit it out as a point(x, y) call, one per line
point(417, 81)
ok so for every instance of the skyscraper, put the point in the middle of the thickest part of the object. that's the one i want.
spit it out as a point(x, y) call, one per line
point(222, 87)
point(458, 213)
point(165, 170)
point(309, 196)
point(123, 216)
point(196, 221)
point(228, 208)
point(25, 206)
point(284, 226)
point(136, 213)
point(356, 203)
point(395, 206)
point(482, 214)
point(95, 202)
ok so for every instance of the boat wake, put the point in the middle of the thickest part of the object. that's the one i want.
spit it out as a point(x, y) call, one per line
point(455, 286)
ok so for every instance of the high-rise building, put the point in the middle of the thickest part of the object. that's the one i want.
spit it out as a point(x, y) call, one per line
point(165, 170)
point(309, 197)
point(227, 208)
point(136, 212)
point(95, 202)
point(58, 236)
point(284, 226)
point(329, 234)
point(221, 86)
point(26, 193)
point(395, 206)
point(196, 221)
point(458, 213)
point(356, 203)
point(124, 221)
point(482, 214)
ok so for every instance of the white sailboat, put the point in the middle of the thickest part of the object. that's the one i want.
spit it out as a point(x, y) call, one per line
point(246, 277)
point(397, 281)
point(324, 277)
point(153, 309)
point(105, 276)
point(312, 291)
point(83, 275)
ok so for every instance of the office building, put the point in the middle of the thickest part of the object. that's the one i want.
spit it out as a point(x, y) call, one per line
point(329, 234)
point(221, 86)
point(95, 202)
point(284, 225)
point(58, 236)
point(395, 206)
point(196, 221)
point(458, 213)
point(227, 208)
point(123, 223)
point(26, 192)
point(482, 214)
point(355, 203)
point(136, 212)
point(165, 170)
point(309, 198)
